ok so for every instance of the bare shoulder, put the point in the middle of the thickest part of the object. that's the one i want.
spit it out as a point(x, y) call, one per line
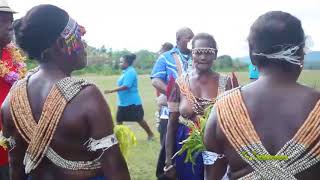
point(315, 92)
point(90, 92)
point(5, 117)
point(90, 100)
point(96, 110)
point(310, 93)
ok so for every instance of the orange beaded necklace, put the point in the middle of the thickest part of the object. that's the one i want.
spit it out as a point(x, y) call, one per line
point(199, 104)
point(235, 123)
point(38, 136)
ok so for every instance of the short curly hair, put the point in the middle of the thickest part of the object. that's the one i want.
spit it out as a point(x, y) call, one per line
point(129, 58)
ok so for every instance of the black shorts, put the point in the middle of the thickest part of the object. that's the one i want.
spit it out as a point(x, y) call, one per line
point(132, 113)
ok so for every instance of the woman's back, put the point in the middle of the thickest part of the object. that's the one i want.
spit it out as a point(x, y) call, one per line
point(276, 113)
point(265, 126)
point(72, 129)
point(72, 132)
point(59, 127)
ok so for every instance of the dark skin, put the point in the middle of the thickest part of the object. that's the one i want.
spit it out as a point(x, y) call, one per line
point(274, 125)
point(204, 84)
point(79, 122)
point(182, 44)
point(6, 29)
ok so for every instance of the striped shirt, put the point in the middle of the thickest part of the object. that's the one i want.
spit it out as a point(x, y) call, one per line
point(165, 66)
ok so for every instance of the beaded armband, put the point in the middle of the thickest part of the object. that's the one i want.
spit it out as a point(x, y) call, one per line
point(209, 158)
point(7, 143)
point(104, 143)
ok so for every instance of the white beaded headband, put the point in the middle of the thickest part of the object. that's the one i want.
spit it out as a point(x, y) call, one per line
point(203, 50)
point(72, 33)
point(69, 29)
point(287, 53)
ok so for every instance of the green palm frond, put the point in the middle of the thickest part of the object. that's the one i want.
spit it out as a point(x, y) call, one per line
point(194, 143)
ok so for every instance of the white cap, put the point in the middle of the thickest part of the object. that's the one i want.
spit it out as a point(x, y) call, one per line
point(4, 7)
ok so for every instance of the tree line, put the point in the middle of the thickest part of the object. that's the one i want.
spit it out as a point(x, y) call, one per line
point(106, 62)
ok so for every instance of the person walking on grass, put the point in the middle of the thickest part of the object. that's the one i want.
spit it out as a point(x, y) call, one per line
point(129, 101)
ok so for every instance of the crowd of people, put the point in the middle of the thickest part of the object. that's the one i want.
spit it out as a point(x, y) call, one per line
point(55, 126)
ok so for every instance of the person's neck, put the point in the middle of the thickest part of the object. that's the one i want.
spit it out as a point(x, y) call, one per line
point(53, 68)
point(183, 51)
point(278, 77)
point(125, 68)
point(202, 76)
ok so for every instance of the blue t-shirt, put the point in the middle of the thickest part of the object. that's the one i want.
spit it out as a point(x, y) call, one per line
point(165, 66)
point(131, 95)
point(253, 71)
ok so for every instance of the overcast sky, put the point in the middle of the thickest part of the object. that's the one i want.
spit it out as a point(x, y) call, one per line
point(146, 24)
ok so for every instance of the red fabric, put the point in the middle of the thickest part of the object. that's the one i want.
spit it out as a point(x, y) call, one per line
point(170, 85)
point(4, 89)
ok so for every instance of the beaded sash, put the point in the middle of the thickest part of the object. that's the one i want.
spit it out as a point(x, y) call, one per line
point(39, 135)
point(199, 104)
point(303, 150)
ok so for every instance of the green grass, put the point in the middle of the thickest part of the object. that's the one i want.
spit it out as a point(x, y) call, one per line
point(143, 158)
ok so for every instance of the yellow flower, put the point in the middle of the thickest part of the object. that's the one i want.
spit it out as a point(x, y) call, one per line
point(126, 138)
point(3, 141)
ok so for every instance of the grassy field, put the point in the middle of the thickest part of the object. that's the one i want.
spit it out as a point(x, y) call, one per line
point(142, 159)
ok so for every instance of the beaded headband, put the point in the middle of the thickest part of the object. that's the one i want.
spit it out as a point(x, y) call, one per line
point(203, 50)
point(72, 33)
point(287, 53)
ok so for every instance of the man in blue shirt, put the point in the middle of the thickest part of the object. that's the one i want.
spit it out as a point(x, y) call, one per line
point(166, 64)
point(167, 68)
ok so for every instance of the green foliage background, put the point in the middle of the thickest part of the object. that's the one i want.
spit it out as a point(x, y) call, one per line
point(104, 61)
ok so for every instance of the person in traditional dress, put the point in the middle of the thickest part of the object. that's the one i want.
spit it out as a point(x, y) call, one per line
point(57, 126)
point(12, 68)
point(130, 107)
point(192, 93)
point(268, 129)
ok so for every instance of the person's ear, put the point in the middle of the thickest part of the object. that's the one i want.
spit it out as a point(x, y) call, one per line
point(60, 45)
